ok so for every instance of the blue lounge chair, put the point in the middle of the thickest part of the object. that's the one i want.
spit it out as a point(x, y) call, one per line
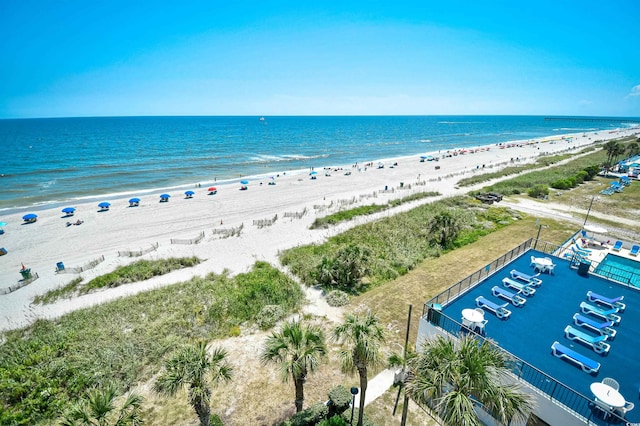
point(609, 314)
point(634, 250)
point(581, 250)
point(597, 343)
point(585, 363)
point(608, 191)
point(525, 289)
point(617, 246)
point(599, 327)
point(528, 279)
point(500, 311)
point(616, 302)
point(514, 298)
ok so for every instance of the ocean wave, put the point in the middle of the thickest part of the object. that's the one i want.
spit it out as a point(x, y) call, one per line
point(575, 129)
point(425, 140)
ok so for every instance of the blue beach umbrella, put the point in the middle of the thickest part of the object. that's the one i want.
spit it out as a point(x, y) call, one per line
point(313, 173)
point(165, 196)
point(1, 225)
point(31, 217)
point(189, 193)
point(104, 205)
point(134, 202)
point(244, 182)
point(69, 210)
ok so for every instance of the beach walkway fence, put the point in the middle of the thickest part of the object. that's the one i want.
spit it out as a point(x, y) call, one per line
point(195, 240)
point(20, 284)
point(126, 253)
point(368, 195)
point(229, 232)
point(261, 223)
point(82, 268)
point(322, 207)
point(296, 215)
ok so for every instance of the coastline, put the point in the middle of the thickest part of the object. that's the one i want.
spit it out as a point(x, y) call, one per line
point(41, 245)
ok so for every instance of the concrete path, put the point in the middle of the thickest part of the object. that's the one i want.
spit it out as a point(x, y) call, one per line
point(377, 386)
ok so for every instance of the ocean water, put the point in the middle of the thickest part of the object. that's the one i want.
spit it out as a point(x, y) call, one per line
point(47, 161)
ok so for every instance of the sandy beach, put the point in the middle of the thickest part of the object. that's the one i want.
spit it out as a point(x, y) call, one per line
point(295, 199)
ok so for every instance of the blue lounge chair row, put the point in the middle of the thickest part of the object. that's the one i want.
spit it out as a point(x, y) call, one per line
point(526, 278)
point(514, 298)
point(602, 328)
point(608, 314)
point(520, 288)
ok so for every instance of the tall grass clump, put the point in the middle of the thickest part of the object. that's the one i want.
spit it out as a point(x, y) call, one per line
point(49, 365)
point(58, 293)
point(139, 271)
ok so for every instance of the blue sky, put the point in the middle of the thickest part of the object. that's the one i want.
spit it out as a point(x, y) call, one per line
point(104, 58)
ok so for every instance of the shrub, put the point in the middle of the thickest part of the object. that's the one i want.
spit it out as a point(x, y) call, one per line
point(558, 184)
point(311, 416)
point(538, 191)
point(337, 298)
point(581, 176)
point(269, 316)
point(365, 421)
point(334, 421)
point(340, 398)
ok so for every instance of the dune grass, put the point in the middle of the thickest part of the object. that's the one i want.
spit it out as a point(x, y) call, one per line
point(400, 242)
point(343, 216)
point(51, 363)
point(65, 291)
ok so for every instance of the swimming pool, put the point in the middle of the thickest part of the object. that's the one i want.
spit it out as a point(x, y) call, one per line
point(620, 269)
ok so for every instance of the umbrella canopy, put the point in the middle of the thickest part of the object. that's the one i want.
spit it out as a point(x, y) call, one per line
point(189, 192)
point(595, 229)
point(134, 200)
point(68, 210)
point(165, 196)
point(244, 182)
point(313, 173)
point(30, 216)
point(213, 188)
point(3, 224)
point(104, 205)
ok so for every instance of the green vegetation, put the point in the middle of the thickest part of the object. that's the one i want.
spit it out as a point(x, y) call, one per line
point(58, 293)
point(99, 408)
point(394, 245)
point(342, 216)
point(139, 271)
point(49, 365)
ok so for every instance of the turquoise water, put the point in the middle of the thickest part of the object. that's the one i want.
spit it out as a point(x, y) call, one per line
point(46, 161)
point(620, 269)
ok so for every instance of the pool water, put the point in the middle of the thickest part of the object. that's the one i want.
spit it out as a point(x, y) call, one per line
point(620, 269)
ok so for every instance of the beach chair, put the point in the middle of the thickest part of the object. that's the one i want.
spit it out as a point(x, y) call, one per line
point(609, 314)
point(598, 327)
point(514, 298)
point(525, 289)
point(500, 311)
point(615, 302)
point(528, 279)
point(608, 191)
point(634, 250)
point(617, 246)
point(3, 251)
point(579, 252)
point(585, 363)
point(582, 250)
point(597, 343)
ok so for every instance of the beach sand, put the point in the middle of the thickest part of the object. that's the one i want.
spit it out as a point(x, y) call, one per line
point(41, 245)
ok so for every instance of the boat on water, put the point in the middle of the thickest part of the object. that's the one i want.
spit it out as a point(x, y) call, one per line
point(261, 118)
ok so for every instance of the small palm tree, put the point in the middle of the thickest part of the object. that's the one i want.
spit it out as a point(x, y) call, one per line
point(99, 409)
point(452, 378)
point(297, 349)
point(194, 368)
point(364, 335)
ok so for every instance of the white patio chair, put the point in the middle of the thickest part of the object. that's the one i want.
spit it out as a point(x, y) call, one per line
point(611, 382)
point(627, 407)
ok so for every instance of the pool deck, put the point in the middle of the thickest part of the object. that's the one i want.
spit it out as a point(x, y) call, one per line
point(530, 330)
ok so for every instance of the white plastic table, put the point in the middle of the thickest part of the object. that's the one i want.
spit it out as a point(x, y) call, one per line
point(607, 395)
point(472, 315)
point(543, 261)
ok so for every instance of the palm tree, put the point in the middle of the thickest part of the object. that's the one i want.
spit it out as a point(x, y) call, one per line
point(364, 335)
point(99, 409)
point(452, 378)
point(445, 226)
point(194, 368)
point(633, 148)
point(297, 349)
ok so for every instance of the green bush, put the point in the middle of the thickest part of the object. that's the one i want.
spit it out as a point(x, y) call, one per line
point(310, 416)
point(334, 421)
point(558, 184)
point(340, 399)
point(365, 421)
point(337, 298)
point(269, 316)
point(538, 191)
